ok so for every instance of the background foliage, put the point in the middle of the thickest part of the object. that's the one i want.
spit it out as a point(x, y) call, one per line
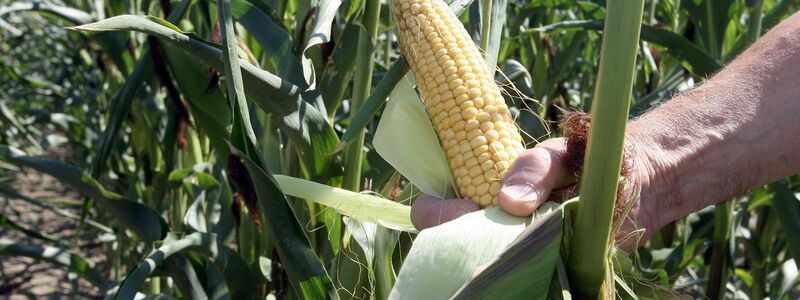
point(173, 147)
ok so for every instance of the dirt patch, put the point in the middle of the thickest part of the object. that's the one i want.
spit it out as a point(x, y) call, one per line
point(24, 277)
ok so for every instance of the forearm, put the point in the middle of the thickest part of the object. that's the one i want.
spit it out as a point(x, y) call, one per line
point(738, 130)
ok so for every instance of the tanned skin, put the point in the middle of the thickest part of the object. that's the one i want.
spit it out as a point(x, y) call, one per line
point(737, 131)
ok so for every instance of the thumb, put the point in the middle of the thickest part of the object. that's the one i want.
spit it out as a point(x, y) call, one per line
point(534, 174)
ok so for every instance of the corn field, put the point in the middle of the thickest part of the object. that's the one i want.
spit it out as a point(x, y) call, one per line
point(272, 149)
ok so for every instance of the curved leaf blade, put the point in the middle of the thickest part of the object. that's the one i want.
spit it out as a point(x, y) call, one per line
point(305, 125)
point(363, 207)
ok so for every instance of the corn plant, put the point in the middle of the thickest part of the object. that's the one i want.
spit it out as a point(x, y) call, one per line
point(273, 148)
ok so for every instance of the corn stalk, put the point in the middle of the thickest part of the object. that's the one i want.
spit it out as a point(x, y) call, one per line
point(590, 241)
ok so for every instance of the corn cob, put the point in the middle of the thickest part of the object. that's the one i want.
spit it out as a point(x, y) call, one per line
point(475, 127)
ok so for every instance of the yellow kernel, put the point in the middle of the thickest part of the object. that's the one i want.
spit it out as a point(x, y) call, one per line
point(490, 109)
point(480, 149)
point(484, 157)
point(456, 83)
point(483, 117)
point(485, 200)
point(452, 77)
point(494, 188)
point(501, 166)
point(480, 140)
point(464, 147)
point(483, 188)
point(490, 99)
point(475, 92)
point(441, 115)
point(496, 146)
point(449, 133)
point(454, 111)
point(498, 117)
point(478, 102)
point(474, 133)
point(477, 180)
point(466, 104)
point(508, 143)
point(465, 181)
point(463, 171)
point(443, 123)
point(449, 102)
point(473, 83)
point(469, 113)
point(439, 79)
point(452, 151)
point(492, 135)
point(475, 171)
point(471, 162)
point(459, 90)
point(486, 126)
point(442, 59)
point(460, 135)
point(455, 117)
point(415, 8)
point(487, 165)
point(469, 191)
point(491, 175)
point(472, 124)
point(500, 156)
point(459, 126)
point(457, 160)
point(469, 76)
point(449, 64)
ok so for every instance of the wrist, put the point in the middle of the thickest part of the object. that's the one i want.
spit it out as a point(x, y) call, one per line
point(652, 181)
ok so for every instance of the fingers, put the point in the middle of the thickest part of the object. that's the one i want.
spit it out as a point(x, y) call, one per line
point(428, 211)
point(534, 174)
point(528, 184)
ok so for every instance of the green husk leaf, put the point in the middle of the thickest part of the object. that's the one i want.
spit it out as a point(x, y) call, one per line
point(406, 140)
point(444, 257)
point(364, 207)
point(525, 268)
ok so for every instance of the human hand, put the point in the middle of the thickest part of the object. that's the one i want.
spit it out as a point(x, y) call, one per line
point(537, 175)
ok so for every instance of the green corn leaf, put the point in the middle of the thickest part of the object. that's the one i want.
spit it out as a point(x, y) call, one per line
point(320, 33)
point(208, 106)
point(361, 206)
point(72, 15)
point(121, 104)
point(306, 273)
point(696, 59)
point(787, 208)
point(185, 277)
point(202, 242)
point(306, 126)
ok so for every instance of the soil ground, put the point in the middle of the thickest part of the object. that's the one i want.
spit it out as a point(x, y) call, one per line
point(23, 277)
